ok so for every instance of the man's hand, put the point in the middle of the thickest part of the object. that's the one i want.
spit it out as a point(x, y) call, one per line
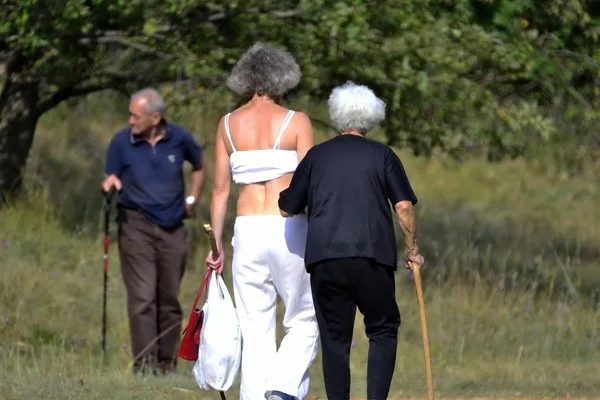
point(189, 210)
point(110, 181)
point(217, 264)
point(190, 205)
point(414, 259)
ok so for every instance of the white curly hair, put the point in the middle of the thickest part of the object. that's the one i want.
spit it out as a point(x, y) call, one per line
point(353, 106)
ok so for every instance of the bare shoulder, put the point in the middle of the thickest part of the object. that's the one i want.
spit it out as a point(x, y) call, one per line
point(221, 133)
point(301, 123)
point(301, 117)
point(221, 125)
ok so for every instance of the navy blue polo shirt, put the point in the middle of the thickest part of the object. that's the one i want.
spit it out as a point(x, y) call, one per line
point(152, 177)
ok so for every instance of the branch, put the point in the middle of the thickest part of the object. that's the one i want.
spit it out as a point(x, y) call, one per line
point(122, 40)
point(112, 33)
point(286, 14)
point(161, 31)
point(276, 13)
point(99, 81)
point(498, 79)
point(125, 38)
point(66, 93)
point(573, 54)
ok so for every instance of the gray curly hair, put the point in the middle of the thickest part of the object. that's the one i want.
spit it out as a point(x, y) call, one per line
point(353, 106)
point(264, 70)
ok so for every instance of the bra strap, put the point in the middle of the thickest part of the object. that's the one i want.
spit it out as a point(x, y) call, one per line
point(228, 131)
point(285, 124)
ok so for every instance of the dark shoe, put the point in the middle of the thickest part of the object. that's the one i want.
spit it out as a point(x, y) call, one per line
point(277, 395)
point(145, 369)
point(167, 368)
point(169, 372)
point(142, 373)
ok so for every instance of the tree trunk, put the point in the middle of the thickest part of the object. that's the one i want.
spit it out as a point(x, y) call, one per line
point(18, 119)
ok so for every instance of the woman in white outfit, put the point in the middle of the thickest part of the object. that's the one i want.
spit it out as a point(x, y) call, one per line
point(259, 145)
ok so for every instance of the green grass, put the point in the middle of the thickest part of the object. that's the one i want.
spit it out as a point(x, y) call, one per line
point(511, 283)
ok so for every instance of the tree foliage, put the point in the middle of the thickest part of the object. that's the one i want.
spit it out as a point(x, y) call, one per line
point(487, 76)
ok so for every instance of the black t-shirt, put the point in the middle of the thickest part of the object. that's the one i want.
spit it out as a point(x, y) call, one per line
point(348, 183)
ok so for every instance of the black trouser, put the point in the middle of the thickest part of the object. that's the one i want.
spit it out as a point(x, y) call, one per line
point(338, 286)
point(152, 265)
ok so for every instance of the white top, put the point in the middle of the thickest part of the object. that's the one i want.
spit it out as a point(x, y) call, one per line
point(252, 166)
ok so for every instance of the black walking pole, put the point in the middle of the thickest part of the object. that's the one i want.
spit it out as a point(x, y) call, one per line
point(107, 202)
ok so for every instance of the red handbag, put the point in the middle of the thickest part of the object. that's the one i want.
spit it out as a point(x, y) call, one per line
point(190, 342)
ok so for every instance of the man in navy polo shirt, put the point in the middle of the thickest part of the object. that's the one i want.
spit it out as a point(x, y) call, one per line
point(145, 164)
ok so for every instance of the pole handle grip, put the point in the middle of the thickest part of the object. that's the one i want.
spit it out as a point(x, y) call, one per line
point(212, 240)
point(110, 194)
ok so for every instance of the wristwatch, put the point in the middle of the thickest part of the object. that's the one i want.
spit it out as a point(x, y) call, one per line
point(190, 200)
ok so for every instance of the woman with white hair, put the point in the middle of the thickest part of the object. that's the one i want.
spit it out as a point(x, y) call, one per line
point(259, 146)
point(348, 183)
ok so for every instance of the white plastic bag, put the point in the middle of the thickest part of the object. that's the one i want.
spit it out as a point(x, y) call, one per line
point(220, 349)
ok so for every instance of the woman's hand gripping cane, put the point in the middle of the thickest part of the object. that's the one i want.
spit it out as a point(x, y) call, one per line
point(215, 258)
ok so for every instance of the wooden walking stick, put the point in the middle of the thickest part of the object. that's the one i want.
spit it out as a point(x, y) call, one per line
point(212, 240)
point(215, 255)
point(419, 289)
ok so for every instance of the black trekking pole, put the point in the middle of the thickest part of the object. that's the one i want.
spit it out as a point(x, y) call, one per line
point(107, 202)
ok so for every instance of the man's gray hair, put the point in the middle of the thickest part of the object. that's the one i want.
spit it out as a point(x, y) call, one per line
point(154, 101)
point(265, 70)
point(353, 106)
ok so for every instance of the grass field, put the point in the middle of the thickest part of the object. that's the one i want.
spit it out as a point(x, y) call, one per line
point(512, 288)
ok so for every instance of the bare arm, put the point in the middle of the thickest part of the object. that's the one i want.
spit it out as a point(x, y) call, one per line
point(403, 198)
point(305, 138)
point(221, 186)
point(294, 198)
point(193, 154)
point(113, 167)
point(198, 178)
point(406, 217)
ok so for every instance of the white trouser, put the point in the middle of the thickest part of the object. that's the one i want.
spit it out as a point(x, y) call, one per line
point(268, 258)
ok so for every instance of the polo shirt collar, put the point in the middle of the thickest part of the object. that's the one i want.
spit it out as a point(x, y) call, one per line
point(168, 133)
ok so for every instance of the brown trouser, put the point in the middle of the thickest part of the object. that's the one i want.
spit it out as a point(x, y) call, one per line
point(152, 264)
